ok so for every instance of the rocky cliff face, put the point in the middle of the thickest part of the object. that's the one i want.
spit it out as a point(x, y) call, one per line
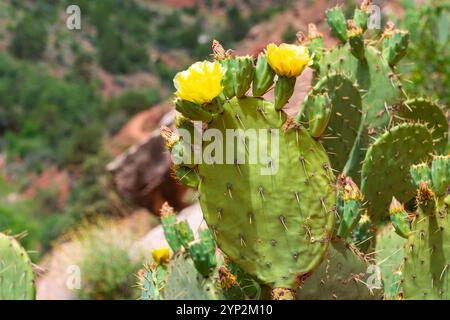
point(142, 173)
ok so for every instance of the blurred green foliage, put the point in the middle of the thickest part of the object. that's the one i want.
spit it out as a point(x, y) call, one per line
point(29, 38)
point(427, 63)
point(107, 268)
point(117, 110)
point(122, 41)
point(40, 114)
point(290, 34)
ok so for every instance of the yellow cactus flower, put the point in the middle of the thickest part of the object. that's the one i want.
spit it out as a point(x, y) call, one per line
point(288, 60)
point(201, 83)
point(161, 255)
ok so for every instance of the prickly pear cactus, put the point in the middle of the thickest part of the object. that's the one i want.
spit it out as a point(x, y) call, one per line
point(371, 73)
point(152, 280)
point(426, 262)
point(184, 282)
point(16, 271)
point(356, 133)
point(256, 218)
point(385, 172)
point(341, 276)
point(430, 113)
point(370, 65)
point(266, 182)
point(389, 258)
point(194, 271)
point(275, 231)
point(345, 119)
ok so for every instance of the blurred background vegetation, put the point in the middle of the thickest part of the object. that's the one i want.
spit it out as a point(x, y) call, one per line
point(65, 94)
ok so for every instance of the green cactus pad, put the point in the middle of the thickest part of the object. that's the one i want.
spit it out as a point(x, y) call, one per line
point(426, 273)
point(389, 257)
point(284, 89)
point(275, 230)
point(373, 76)
point(169, 224)
point(152, 282)
point(385, 172)
point(395, 46)
point(228, 80)
point(207, 238)
point(203, 257)
point(337, 22)
point(264, 76)
point(420, 173)
point(379, 91)
point(341, 276)
point(315, 48)
point(184, 233)
point(361, 17)
point(345, 120)
point(187, 176)
point(245, 71)
point(429, 112)
point(16, 271)
point(248, 286)
point(192, 111)
point(184, 282)
point(440, 174)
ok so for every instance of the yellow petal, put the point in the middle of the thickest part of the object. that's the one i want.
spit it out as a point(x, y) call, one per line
point(161, 255)
point(201, 83)
point(288, 60)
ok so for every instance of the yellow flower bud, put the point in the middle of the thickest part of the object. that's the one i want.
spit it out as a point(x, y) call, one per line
point(161, 255)
point(288, 60)
point(201, 83)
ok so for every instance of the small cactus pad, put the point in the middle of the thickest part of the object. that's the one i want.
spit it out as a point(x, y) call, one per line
point(420, 173)
point(264, 76)
point(275, 230)
point(152, 281)
point(426, 273)
point(427, 111)
point(184, 233)
point(187, 176)
point(337, 22)
point(380, 90)
point(389, 258)
point(169, 224)
point(203, 257)
point(341, 276)
point(373, 76)
point(16, 271)
point(345, 120)
point(184, 282)
point(385, 172)
point(440, 174)
point(395, 46)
